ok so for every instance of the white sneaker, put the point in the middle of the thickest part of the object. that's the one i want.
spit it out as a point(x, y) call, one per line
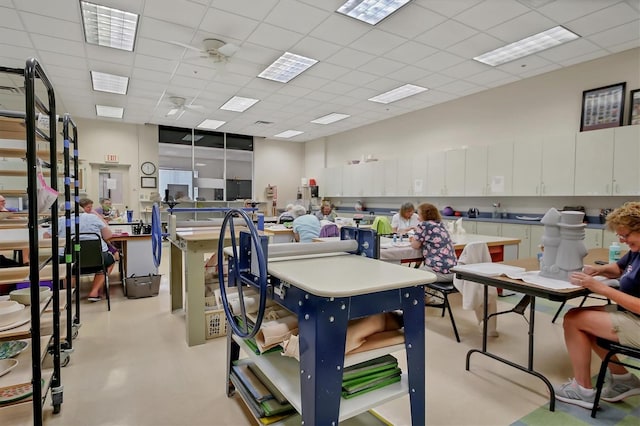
point(571, 393)
point(618, 389)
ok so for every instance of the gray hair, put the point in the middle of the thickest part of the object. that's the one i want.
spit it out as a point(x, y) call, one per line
point(298, 211)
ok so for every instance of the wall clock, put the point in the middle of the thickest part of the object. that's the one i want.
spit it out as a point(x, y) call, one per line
point(148, 168)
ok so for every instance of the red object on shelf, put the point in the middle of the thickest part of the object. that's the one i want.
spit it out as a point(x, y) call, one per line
point(312, 182)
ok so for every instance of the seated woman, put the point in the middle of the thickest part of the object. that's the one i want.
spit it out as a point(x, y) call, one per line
point(105, 210)
point(435, 242)
point(406, 220)
point(326, 212)
point(619, 322)
point(306, 227)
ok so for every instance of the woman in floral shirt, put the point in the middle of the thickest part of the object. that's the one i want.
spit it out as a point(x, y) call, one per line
point(435, 242)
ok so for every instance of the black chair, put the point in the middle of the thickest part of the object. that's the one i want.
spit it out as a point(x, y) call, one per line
point(443, 290)
point(614, 348)
point(90, 259)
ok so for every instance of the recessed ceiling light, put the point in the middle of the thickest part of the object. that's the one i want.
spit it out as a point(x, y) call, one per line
point(210, 124)
point(109, 111)
point(370, 11)
point(109, 27)
point(111, 83)
point(527, 46)
point(330, 118)
point(398, 93)
point(239, 104)
point(286, 67)
point(288, 134)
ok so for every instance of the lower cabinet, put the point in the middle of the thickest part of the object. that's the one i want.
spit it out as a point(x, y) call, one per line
point(523, 233)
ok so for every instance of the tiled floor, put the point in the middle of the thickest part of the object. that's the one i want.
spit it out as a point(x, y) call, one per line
point(131, 366)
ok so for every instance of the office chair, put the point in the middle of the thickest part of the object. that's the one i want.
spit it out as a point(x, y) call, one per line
point(614, 348)
point(90, 260)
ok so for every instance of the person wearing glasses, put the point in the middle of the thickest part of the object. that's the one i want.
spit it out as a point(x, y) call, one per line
point(405, 220)
point(618, 322)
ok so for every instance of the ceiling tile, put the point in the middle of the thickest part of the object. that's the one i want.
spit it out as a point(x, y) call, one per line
point(569, 50)
point(491, 13)
point(180, 12)
point(521, 27)
point(53, 27)
point(410, 21)
point(118, 57)
point(465, 69)
point(340, 29)
point(377, 42)
point(447, 7)
point(488, 76)
point(316, 48)
point(296, 16)
point(69, 10)
point(410, 52)
point(350, 58)
point(475, 46)
point(258, 10)
point(618, 14)
point(381, 66)
point(446, 34)
point(154, 63)
point(357, 78)
point(327, 70)
point(150, 47)
point(525, 64)
point(439, 61)
point(408, 74)
point(9, 19)
point(621, 34)
point(568, 10)
point(274, 37)
point(18, 38)
point(164, 31)
point(230, 24)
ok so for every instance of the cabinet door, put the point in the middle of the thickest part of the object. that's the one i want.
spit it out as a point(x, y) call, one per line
point(527, 167)
point(470, 226)
point(522, 232)
point(594, 162)
point(626, 157)
point(454, 172)
point(405, 178)
point(558, 165)
point(350, 181)
point(374, 174)
point(500, 169)
point(419, 174)
point(488, 228)
point(475, 175)
point(436, 173)
point(535, 239)
point(390, 178)
point(593, 238)
point(333, 182)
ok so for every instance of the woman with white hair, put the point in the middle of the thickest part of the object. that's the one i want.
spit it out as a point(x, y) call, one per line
point(306, 227)
point(286, 216)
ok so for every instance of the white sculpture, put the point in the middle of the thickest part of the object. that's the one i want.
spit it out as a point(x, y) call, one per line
point(563, 241)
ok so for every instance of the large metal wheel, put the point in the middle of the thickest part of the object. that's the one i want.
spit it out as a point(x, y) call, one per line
point(241, 278)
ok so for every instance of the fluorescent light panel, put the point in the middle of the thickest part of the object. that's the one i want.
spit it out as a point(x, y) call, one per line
point(109, 111)
point(239, 104)
point(528, 46)
point(370, 11)
point(330, 118)
point(111, 83)
point(288, 134)
point(109, 27)
point(398, 93)
point(210, 124)
point(286, 67)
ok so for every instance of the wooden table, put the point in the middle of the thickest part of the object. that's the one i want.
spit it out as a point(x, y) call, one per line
point(188, 249)
point(531, 291)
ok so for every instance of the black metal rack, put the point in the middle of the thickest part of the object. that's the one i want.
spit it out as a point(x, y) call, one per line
point(36, 109)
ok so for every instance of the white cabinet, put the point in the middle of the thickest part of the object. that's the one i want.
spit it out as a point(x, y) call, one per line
point(488, 228)
point(594, 162)
point(592, 238)
point(455, 172)
point(521, 232)
point(626, 157)
point(436, 173)
point(500, 169)
point(469, 226)
point(535, 239)
point(351, 180)
point(405, 177)
point(374, 179)
point(421, 174)
point(475, 174)
point(333, 182)
point(544, 166)
point(390, 178)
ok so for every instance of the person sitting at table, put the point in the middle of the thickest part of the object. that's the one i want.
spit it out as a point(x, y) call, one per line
point(90, 222)
point(105, 210)
point(326, 212)
point(286, 215)
point(306, 227)
point(433, 239)
point(405, 220)
point(619, 322)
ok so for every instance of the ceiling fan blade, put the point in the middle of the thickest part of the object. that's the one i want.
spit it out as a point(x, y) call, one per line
point(228, 49)
point(187, 46)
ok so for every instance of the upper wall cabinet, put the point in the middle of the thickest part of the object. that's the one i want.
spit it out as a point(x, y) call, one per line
point(421, 174)
point(500, 169)
point(333, 182)
point(606, 162)
point(436, 179)
point(475, 171)
point(445, 173)
point(544, 166)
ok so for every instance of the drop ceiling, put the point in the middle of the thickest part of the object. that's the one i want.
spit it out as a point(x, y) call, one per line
point(429, 43)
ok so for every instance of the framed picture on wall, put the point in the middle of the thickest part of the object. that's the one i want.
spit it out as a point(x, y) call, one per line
point(602, 107)
point(634, 107)
point(148, 182)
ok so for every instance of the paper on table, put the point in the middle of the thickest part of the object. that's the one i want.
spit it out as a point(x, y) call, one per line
point(533, 277)
point(489, 269)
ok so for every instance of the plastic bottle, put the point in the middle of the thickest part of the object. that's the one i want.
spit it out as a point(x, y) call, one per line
point(395, 238)
point(614, 252)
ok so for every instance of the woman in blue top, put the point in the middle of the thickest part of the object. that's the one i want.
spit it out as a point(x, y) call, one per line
point(435, 242)
point(619, 322)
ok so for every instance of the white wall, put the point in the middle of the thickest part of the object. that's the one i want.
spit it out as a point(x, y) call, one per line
point(545, 104)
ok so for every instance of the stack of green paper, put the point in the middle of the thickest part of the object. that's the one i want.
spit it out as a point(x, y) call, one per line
point(252, 342)
point(370, 375)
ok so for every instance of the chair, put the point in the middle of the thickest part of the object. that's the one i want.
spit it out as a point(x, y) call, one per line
point(614, 348)
point(444, 289)
point(382, 225)
point(329, 230)
point(90, 260)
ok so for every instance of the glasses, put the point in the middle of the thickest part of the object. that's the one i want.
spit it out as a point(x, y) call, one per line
point(624, 236)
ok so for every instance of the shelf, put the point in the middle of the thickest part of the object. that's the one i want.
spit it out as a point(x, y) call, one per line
point(284, 373)
point(22, 372)
point(18, 173)
point(14, 192)
point(22, 153)
point(24, 331)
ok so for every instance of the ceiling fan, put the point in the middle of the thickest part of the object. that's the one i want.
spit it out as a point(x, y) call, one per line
point(179, 107)
point(217, 50)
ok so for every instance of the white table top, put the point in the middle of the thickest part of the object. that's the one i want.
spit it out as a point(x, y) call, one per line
point(344, 276)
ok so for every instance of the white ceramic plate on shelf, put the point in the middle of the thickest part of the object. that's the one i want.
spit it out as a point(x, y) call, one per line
point(24, 318)
point(7, 365)
point(12, 348)
point(529, 218)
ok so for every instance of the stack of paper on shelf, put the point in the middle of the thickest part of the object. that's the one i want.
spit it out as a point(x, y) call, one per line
point(262, 397)
point(370, 375)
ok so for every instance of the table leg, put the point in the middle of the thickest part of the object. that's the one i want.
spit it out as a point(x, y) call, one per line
point(413, 313)
point(175, 276)
point(323, 329)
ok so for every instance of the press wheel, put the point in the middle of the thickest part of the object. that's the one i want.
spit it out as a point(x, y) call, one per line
point(235, 275)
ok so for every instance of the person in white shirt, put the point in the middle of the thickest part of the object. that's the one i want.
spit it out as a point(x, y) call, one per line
point(406, 220)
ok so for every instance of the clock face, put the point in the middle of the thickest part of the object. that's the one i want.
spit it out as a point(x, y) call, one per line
point(148, 168)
